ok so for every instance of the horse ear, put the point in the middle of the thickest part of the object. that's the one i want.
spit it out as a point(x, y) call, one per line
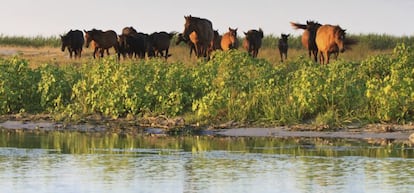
point(245, 33)
point(85, 31)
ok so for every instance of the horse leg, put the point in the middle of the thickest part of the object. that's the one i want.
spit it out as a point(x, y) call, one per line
point(327, 58)
point(94, 52)
point(321, 58)
point(166, 54)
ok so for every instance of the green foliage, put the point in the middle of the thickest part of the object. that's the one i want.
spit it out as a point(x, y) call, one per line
point(391, 85)
point(18, 89)
point(118, 89)
point(55, 86)
point(231, 86)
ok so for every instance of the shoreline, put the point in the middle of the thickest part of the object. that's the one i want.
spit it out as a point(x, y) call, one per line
point(370, 132)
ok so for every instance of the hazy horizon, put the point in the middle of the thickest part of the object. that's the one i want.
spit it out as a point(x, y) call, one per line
point(51, 18)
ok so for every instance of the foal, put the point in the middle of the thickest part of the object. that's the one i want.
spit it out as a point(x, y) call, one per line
point(283, 46)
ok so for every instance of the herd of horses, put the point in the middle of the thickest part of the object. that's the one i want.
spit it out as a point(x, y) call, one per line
point(320, 40)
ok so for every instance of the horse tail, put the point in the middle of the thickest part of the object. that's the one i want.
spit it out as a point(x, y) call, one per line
point(298, 26)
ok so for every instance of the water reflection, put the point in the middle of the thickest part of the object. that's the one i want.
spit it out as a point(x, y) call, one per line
point(80, 162)
point(112, 143)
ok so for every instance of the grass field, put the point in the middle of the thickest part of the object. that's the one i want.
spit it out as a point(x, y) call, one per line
point(40, 50)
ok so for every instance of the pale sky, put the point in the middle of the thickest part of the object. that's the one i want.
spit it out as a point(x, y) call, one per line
point(55, 17)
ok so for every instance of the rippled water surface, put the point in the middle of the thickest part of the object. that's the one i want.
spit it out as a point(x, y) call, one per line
point(77, 163)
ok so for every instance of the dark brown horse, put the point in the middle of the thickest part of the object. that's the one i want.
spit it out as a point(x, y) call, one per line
point(103, 40)
point(309, 36)
point(101, 50)
point(329, 39)
point(217, 41)
point(74, 41)
point(203, 34)
point(283, 46)
point(253, 41)
point(229, 40)
point(160, 42)
point(129, 31)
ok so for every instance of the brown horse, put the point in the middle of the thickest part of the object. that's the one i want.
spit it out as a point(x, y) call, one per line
point(103, 40)
point(283, 46)
point(229, 40)
point(309, 36)
point(203, 34)
point(329, 39)
point(253, 41)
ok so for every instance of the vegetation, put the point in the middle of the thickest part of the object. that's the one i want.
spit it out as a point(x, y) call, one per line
point(37, 41)
point(232, 86)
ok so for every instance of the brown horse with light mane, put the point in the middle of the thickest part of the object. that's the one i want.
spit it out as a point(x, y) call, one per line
point(103, 40)
point(329, 39)
point(229, 40)
point(203, 34)
point(309, 36)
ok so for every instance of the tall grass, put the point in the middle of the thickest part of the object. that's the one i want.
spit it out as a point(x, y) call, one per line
point(36, 41)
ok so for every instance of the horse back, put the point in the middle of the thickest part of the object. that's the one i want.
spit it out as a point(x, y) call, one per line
point(205, 30)
point(325, 37)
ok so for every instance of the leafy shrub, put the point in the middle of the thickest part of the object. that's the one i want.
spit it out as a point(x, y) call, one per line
point(18, 89)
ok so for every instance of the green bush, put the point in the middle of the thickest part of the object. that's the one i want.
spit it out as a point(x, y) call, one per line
point(18, 88)
point(231, 86)
point(391, 85)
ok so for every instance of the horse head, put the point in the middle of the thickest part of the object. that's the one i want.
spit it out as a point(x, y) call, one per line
point(189, 27)
point(88, 38)
point(340, 38)
point(64, 41)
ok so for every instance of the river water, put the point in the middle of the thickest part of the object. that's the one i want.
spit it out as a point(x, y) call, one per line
point(73, 162)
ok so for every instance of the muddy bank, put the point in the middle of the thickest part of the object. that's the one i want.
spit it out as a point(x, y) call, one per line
point(369, 132)
point(285, 132)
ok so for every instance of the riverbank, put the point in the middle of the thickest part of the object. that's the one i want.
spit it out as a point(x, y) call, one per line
point(162, 126)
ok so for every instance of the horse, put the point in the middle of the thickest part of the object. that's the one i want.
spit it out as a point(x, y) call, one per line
point(253, 41)
point(217, 41)
point(180, 39)
point(309, 36)
point(74, 41)
point(103, 40)
point(101, 50)
point(283, 46)
point(129, 31)
point(160, 42)
point(229, 40)
point(136, 45)
point(203, 34)
point(329, 39)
